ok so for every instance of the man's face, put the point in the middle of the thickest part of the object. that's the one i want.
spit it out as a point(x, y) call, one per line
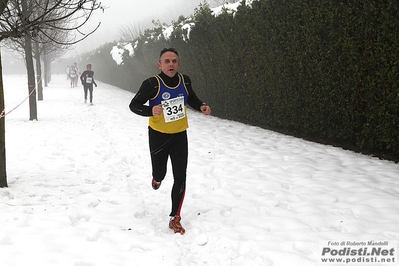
point(169, 64)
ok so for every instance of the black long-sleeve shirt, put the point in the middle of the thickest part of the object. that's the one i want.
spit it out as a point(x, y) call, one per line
point(87, 74)
point(149, 89)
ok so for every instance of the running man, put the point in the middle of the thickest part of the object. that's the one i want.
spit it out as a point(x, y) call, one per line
point(87, 79)
point(168, 94)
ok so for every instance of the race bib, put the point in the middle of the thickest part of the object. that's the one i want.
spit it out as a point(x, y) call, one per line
point(89, 79)
point(173, 109)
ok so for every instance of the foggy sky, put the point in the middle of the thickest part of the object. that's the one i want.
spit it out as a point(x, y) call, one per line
point(139, 13)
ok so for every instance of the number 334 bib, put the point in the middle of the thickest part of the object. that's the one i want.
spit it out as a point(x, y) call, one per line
point(173, 109)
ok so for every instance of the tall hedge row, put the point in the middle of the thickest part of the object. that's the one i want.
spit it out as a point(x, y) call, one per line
point(322, 70)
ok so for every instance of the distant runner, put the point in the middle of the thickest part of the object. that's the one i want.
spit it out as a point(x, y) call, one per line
point(87, 79)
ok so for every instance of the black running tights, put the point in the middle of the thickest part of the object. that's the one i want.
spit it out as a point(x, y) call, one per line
point(90, 89)
point(175, 146)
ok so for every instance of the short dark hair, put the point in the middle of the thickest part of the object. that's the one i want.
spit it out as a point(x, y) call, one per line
point(164, 50)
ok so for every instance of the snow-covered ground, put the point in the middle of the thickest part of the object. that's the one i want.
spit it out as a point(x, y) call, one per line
point(79, 190)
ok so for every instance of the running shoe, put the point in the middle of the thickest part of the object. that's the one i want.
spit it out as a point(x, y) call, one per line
point(175, 225)
point(155, 184)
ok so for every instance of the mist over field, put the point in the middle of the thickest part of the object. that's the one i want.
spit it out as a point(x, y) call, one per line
point(117, 15)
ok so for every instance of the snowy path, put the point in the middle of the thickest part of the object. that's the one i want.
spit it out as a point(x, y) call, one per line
point(80, 177)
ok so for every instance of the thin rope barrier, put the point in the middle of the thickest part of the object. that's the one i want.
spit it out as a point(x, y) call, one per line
point(4, 113)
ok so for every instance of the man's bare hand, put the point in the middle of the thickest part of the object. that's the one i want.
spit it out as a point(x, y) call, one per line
point(206, 110)
point(157, 110)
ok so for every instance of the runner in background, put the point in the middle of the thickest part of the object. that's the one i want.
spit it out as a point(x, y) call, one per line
point(73, 76)
point(87, 79)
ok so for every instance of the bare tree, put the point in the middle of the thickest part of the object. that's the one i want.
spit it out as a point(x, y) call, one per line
point(130, 32)
point(3, 172)
point(62, 18)
point(44, 46)
point(45, 49)
point(51, 50)
point(26, 19)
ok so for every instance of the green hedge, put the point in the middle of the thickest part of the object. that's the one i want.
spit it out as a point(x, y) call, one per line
point(321, 70)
